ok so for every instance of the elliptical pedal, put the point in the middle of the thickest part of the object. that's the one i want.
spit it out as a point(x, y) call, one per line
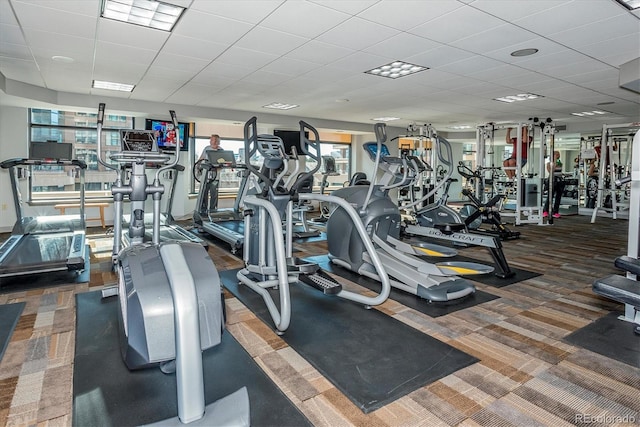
point(322, 281)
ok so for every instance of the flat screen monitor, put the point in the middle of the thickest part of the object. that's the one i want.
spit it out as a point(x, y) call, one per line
point(51, 150)
point(291, 138)
point(166, 135)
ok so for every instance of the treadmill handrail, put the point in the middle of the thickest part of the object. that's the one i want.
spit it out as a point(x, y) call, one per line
point(20, 161)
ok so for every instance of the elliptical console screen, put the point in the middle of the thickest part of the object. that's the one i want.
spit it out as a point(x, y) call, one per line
point(372, 150)
point(139, 140)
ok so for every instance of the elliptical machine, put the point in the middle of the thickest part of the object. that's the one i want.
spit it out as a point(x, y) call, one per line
point(381, 218)
point(269, 263)
point(169, 292)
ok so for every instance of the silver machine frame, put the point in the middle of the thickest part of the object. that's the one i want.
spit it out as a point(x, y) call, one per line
point(268, 257)
point(169, 292)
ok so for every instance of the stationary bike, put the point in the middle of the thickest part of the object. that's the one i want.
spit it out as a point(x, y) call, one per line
point(170, 307)
point(477, 213)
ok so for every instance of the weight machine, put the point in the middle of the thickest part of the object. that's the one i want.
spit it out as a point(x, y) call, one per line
point(609, 171)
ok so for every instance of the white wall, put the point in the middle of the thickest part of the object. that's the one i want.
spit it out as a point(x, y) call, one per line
point(14, 139)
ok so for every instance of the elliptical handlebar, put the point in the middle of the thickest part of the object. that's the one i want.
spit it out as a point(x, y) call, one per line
point(381, 137)
point(310, 149)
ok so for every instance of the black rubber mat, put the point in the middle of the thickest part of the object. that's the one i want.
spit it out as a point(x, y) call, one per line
point(610, 337)
point(45, 280)
point(9, 316)
point(105, 392)
point(405, 298)
point(372, 358)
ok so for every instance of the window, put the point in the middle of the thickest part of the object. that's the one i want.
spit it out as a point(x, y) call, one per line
point(230, 178)
point(342, 155)
point(57, 183)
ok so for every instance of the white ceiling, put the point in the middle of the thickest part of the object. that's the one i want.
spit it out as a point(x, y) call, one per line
point(243, 54)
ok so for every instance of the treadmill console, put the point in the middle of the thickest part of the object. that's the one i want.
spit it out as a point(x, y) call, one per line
point(140, 141)
point(221, 158)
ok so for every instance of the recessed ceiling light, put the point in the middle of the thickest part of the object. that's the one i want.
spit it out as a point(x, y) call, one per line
point(148, 13)
point(590, 113)
point(122, 87)
point(524, 52)
point(519, 97)
point(385, 119)
point(64, 59)
point(630, 4)
point(280, 106)
point(396, 69)
point(459, 127)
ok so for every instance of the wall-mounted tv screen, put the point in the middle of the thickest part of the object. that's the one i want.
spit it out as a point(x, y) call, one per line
point(167, 136)
point(291, 138)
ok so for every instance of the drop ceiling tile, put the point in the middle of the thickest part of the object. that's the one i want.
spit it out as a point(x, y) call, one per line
point(191, 94)
point(180, 62)
point(225, 71)
point(438, 57)
point(289, 66)
point(57, 21)
point(123, 54)
point(155, 89)
point(352, 7)
point(461, 23)
point(252, 11)
point(64, 44)
point(359, 62)
point(266, 78)
point(6, 14)
point(615, 51)
point(212, 28)
point(270, 41)
point(544, 46)
point(607, 29)
point(516, 9)
point(195, 48)
point(401, 46)
point(577, 13)
point(495, 38)
point(17, 51)
point(114, 72)
point(11, 34)
point(78, 80)
point(319, 52)
point(469, 65)
point(246, 57)
point(126, 34)
point(304, 19)
point(357, 34)
point(406, 14)
point(21, 71)
point(87, 8)
point(165, 73)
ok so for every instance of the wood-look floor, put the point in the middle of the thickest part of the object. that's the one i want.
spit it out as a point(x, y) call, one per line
point(527, 375)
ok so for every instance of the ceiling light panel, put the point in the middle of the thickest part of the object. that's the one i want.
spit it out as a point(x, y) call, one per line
point(280, 106)
point(148, 13)
point(630, 4)
point(121, 87)
point(385, 119)
point(518, 97)
point(396, 69)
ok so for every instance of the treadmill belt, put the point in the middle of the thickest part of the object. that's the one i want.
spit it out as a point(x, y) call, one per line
point(37, 249)
point(233, 225)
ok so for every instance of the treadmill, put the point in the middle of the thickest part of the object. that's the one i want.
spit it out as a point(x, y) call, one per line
point(168, 229)
point(228, 229)
point(44, 244)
